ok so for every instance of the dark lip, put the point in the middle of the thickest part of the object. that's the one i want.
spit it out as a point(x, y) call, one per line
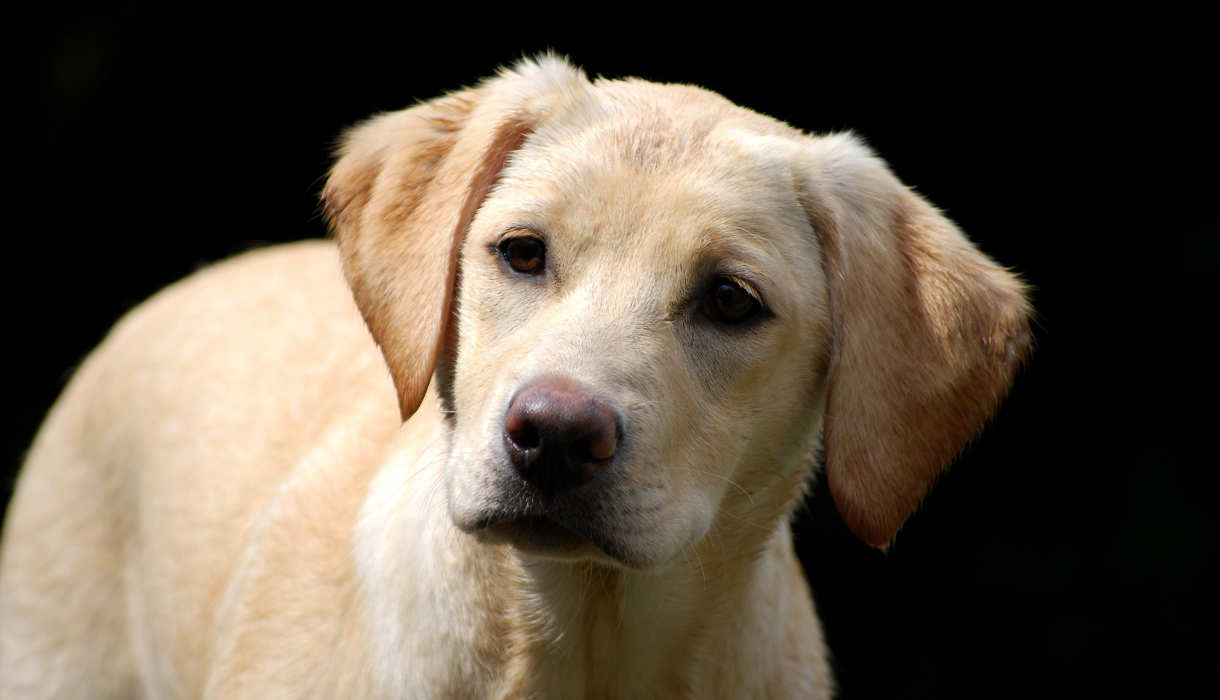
point(535, 533)
point(564, 526)
point(548, 532)
point(551, 536)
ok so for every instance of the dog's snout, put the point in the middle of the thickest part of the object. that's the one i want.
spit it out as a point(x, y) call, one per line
point(558, 435)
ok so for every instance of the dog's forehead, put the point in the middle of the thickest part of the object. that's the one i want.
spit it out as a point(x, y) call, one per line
point(653, 128)
point(639, 157)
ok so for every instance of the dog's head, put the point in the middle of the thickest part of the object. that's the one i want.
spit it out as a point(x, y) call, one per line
point(646, 305)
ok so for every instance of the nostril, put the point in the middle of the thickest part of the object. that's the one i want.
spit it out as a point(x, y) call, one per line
point(522, 432)
point(580, 452)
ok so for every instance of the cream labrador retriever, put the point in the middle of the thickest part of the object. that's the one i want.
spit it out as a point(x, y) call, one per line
point(619, 320)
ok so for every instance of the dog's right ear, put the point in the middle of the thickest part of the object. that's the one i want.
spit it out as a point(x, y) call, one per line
point(928, 334)
point(403, 192)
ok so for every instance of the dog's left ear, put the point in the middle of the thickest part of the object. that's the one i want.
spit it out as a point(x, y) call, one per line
point(402, 195)
point(928, 333)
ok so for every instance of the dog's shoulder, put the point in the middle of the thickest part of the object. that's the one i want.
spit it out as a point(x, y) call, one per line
point(240, 412)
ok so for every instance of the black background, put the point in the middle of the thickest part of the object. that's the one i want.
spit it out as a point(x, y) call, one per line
point(1070, 550)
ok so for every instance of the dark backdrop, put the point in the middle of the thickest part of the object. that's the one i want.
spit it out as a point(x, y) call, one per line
point(1071, 549)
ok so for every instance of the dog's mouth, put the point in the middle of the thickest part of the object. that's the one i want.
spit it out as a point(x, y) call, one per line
point(579, 524)
point(544, 537)
point(534, 533)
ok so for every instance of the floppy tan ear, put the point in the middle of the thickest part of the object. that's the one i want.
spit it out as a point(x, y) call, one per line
point(403, 193)
point(928, 333)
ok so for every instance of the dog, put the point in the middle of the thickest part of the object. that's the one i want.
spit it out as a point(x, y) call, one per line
point(533, 425)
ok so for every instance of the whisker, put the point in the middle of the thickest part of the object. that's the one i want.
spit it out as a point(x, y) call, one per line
point(732, 483)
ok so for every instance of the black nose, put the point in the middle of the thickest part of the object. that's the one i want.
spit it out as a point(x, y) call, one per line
point(558, 435)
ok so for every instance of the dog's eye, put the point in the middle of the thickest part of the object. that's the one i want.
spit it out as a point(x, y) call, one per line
point(729, 302)
point(525, 254)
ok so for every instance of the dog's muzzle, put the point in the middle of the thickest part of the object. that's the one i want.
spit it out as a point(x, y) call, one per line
point(556, 490)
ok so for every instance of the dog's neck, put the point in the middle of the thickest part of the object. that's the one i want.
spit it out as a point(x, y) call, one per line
point(597, 630)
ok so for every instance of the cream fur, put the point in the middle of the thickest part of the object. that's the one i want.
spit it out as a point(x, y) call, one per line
point(226, 501)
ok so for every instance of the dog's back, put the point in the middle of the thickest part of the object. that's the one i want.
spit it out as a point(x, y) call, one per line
point(163, 467)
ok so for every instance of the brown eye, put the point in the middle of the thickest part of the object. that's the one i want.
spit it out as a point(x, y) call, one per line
point(525, 254)
point(729, 302)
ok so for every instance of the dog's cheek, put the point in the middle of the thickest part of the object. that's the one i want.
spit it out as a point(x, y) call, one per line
point(758, 404)
point(494, 312)
point(676, 458)
point(488, 310)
